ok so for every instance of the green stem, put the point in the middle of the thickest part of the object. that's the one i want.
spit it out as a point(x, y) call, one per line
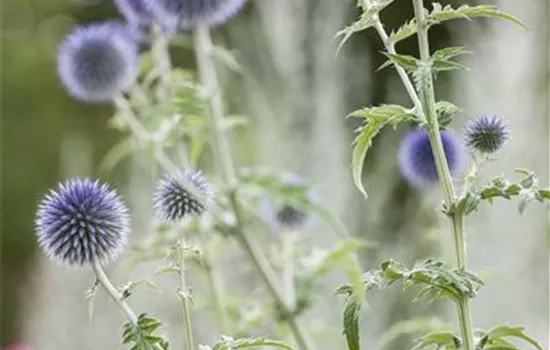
point(224, 160)
point(185, 299)
point(116, 296)
point(390, 47)
point(218, 289)
point(427, 97)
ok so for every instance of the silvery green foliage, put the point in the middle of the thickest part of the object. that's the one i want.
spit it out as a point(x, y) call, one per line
point(485, 135)
point(82, 221)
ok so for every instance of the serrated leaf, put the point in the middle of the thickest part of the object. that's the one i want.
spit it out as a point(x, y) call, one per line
point(376, 119)
point(440, 14)
point(505, 331)
point(241, 343)
point(407, 62)
point(441, 339)
point(406, 30)
point(350, 321)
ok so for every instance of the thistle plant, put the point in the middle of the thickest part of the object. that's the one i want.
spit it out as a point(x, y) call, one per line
point(178, 120)
point(429, 155)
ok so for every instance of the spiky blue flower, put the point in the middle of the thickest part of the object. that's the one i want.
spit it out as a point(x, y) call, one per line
point(98, 62)
point(189, 14)
point(416, 159)
point(82, 221)
point(173, 201)
point(284, 214)
point(486, 134)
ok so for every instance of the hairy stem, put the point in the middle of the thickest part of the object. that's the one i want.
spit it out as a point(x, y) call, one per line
point(116, 296)
point(427, 97)
point(207, 74)
point(183, 293)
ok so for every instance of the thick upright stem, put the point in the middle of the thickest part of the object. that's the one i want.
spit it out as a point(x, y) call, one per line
point(427, 97)
point(185, 299)
point(116, 296)
point(207, 73)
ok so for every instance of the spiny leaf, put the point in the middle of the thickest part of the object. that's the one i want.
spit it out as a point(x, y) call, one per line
point(351, 321)
point(441, 339)
point(376, 119)
point(505, 331)
point(407, 62)
point(440, 14)
point(406, 30)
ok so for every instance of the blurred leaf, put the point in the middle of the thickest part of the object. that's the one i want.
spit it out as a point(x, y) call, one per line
point(412, 326)
point(444, 340)
point(351, 322)
point(504, 331)
point(228, 343)
point(227, 58)
point(141, 335)
point(375, 119)
point(407, 62)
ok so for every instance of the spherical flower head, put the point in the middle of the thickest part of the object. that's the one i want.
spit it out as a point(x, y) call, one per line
point(416, 159)
point(283, 215)
point(135, 11)
point(82, 221)
point(173, 201)
point(486, 134)
point(189, 14)
point(98, 62)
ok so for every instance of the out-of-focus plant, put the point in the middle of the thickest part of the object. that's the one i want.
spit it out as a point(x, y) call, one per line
point(178, 119)
point(430, 154)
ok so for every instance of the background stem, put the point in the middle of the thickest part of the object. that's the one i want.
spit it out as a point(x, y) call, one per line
point(185, 298)
point(427, 96)
point(207, 74)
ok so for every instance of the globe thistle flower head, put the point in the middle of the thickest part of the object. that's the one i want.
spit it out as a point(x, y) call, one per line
point(416, 159)
point(486, 134)
point(82, 221)
point(189, 14)
point(173, 201)
point(282, 214)
point(98, 62)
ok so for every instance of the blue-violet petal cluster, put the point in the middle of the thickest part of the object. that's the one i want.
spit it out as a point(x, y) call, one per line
point(189, 14)
point(98, 62)
point(82, 221)
point(416, 159)
point(173, 201)
point(487, 134)
point(137, 12)
point(281, 214)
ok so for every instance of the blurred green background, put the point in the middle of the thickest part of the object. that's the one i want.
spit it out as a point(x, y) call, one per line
point(40, 123)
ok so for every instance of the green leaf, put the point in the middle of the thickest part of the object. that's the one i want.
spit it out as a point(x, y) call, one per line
point(351, 322)
point(332, 258)
point(141, 335)
point(445, 112)
point(406, 30)
point(505, 331)
point(440, 14)
point(407, 62)
point(368, 19)
point(228, 343)
point(376, 119)
point(442, 59)
point(441, 339)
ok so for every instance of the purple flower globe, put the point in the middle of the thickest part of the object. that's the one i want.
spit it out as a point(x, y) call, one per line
point(82, 221)
point(486, 134)
point(174, 202)
point(416, 159)
point(282, 214)
point(98, 62)
point(189, 14)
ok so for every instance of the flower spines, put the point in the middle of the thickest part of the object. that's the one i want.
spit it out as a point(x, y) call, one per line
point(188, 14)
point(486, 134)
point(173, 201)
point(98, 62)
point(82, 221)
point(416, 159)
